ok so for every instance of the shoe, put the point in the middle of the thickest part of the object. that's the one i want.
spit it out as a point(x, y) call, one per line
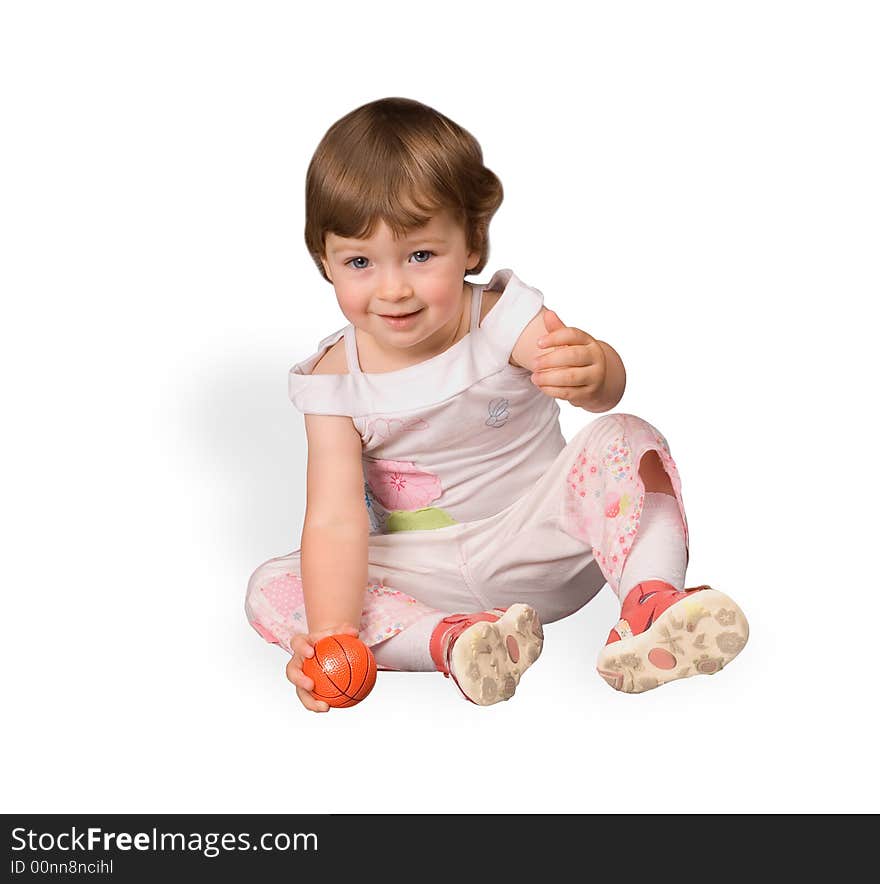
point(665, 634)
point(487, 653)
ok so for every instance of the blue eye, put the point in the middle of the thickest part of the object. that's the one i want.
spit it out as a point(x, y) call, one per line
point(351, 261)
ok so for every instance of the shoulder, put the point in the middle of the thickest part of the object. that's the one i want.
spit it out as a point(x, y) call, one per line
point(333, 361)
point(526, 348)
point(323, 413)
point(490, 299)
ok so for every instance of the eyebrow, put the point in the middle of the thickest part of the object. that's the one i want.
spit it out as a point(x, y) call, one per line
point(355, 244)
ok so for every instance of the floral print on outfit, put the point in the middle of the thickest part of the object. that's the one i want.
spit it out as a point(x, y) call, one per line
point(604, 494)
point(475, 498)
point(399, 485)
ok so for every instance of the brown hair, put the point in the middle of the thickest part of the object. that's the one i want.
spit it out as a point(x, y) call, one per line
point(400, 161)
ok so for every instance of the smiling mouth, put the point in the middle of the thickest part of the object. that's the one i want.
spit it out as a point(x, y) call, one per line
point(400, 315)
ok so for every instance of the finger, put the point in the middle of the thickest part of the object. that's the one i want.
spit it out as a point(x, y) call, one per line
point(563, 336)
point(552, 322)
point(570, 376)
point(297, 677)
point(310, 702)
point(573, 355)
point(300, 644)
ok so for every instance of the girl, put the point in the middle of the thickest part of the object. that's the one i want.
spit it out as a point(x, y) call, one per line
point(446, 515)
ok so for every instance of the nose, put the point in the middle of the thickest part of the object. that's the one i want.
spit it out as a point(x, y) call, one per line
point(394, 286)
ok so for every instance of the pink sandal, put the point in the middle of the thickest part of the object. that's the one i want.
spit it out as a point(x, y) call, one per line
point(486, 653)
point(665, 634)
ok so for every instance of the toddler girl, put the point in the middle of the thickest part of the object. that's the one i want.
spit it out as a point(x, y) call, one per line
point(446, 516)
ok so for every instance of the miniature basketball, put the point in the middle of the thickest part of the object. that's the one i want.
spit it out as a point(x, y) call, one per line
point(343, 670)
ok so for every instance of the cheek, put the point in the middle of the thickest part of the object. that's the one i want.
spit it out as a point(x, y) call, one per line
point(443, 298)
point(351, 302)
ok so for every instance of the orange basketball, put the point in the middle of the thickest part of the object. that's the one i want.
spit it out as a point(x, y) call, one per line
point(343, 670)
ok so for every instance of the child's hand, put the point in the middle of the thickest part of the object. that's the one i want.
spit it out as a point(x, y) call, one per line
point(572, 364)
point(303, 646)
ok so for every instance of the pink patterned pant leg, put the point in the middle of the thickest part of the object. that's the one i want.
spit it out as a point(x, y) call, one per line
point(275, 606)
point(604, 492)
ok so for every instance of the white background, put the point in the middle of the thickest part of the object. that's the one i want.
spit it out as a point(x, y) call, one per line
point(696, 183)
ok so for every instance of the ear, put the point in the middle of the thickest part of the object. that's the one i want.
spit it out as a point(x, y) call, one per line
point(473, 259)
point(326, 268)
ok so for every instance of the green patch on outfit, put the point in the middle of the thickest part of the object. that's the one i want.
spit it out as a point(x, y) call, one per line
point(418, 520)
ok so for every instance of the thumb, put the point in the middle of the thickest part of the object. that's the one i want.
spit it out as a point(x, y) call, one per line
point(552, 322)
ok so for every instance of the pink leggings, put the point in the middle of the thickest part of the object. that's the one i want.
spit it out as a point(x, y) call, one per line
point(553, 549)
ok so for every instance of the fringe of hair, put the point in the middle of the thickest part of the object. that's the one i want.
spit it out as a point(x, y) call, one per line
point(399, 161)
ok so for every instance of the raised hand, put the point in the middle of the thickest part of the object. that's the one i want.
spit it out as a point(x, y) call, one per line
point(572, 364)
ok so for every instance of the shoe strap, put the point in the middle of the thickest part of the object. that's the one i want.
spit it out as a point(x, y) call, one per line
point(623, 629)
point(449, 629)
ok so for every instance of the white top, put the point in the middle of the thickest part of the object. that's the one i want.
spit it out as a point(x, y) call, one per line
point(457, 437)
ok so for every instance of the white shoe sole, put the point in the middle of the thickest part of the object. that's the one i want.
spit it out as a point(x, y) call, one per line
point(488, 659)
point(696, 636)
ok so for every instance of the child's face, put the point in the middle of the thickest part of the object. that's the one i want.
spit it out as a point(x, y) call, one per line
point(381, 277)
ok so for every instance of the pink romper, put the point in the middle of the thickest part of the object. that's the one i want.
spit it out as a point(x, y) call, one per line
point(474, 497)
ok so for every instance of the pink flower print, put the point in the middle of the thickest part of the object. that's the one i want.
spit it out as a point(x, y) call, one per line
point(499, 413)
point(612, 506)
point(399, 485)
point(617, 458)
point(285, 594)
point(385, 427)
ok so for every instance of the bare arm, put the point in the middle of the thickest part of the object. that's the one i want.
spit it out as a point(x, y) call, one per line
point(336, 525)
point(526, 351)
